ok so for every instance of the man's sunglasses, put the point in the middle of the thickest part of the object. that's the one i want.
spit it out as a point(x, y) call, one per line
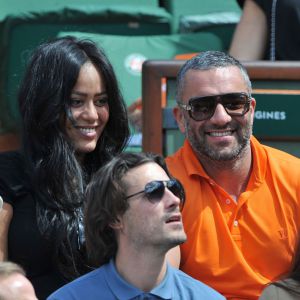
point(203, 108)
point(154, 190)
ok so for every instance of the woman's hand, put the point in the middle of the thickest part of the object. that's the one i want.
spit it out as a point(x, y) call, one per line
point(6, 214)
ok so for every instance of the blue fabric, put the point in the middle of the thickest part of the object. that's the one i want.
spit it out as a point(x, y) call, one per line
point(106, 283)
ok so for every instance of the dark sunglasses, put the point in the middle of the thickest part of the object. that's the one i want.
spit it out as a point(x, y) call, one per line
point(154, 190)
point(203, 108)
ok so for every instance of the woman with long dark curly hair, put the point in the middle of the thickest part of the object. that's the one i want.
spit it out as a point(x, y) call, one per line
point(73, 121)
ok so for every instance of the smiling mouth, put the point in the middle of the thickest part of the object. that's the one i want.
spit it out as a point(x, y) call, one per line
point(86, 130)
point(220, 133)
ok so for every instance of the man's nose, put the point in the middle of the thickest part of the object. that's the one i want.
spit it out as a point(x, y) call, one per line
point(220, 115)
point(171, 199)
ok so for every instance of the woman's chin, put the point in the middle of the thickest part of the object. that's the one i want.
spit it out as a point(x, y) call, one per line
point(87, 148)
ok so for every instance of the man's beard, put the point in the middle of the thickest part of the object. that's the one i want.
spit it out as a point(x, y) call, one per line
point(204, 149)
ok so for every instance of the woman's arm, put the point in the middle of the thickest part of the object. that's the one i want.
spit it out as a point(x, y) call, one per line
point(250, 37)
point(6, 214)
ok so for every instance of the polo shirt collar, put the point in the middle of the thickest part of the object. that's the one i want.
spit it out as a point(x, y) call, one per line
point(194, 167)
point(260, 162)
point(165, 289)
point(125, 291)
point(192, 164)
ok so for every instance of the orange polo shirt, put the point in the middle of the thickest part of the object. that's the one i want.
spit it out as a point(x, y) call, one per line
point(238, 247)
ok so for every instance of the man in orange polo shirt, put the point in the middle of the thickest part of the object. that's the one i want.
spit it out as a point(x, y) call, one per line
point(242, 214)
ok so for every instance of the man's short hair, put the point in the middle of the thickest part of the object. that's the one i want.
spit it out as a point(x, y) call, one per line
point(208, 60)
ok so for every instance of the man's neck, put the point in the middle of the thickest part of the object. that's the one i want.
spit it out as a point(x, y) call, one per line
point(141, 270)
point(232, 176)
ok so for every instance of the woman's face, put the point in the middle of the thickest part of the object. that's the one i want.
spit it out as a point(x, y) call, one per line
point(89, 109)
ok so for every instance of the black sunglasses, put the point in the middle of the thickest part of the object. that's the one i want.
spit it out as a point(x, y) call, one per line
point(154, 190)
point(203, 108)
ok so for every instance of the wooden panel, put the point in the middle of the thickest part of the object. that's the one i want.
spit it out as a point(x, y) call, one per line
point(9, 142)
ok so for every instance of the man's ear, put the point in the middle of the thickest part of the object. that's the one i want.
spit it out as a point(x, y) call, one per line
point(117, 224)
point(252, 108)
point(253, 104)
point(179, 117)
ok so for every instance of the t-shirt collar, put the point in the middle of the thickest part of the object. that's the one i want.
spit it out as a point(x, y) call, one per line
point(125, 291)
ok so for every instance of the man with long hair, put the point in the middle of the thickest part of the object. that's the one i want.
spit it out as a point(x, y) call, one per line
point(132, 220)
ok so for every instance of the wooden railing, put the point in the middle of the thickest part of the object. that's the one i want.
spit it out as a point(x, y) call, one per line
point(9, 141)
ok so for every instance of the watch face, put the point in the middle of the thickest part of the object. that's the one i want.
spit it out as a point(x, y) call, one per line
point(1, 202)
